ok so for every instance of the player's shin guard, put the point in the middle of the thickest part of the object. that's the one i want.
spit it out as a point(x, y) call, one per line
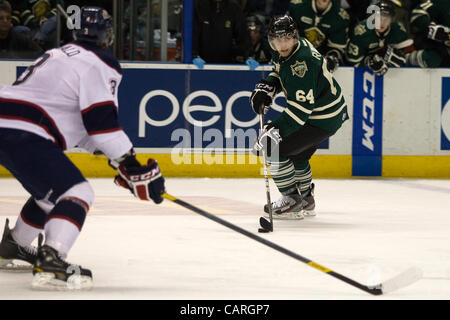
point(64, 223)
point(29, 224)
point(63, 226)
point(303, 177)
point(289, 206)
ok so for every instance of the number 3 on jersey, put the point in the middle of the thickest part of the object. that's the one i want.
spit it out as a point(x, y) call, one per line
point(29, 71)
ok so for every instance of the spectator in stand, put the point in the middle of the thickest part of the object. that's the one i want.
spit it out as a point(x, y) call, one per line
point(357, 9)
point(220, 34)
point(276, 7)
point(250, 7)
point(260, 50)
point(14, 45)
point(430, 22)
point(325, 24)
point(37, 20)
point(379, 47)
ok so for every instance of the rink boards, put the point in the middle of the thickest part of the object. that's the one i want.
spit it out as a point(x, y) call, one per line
point(198, 123)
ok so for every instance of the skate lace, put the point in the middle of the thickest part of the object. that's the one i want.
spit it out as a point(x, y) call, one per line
point(29, 249)
point(281, 202)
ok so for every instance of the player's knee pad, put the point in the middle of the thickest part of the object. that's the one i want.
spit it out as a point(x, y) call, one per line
point(74, 204)
point(33, 215)
point(81, 192)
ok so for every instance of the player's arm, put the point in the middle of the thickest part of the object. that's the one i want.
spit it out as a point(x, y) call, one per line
point(421, 16)
point(99, 112)
point(264, 92)
point(337, 41)
point(423, 20)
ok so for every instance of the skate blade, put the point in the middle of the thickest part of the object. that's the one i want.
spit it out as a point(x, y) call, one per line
point(309, 213)
point(287, 216)
point(13, 265)
point(45, 281)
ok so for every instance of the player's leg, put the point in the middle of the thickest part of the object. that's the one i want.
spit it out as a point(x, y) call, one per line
point(303, 177)
point(62, 192)
point(299, 148)
point(425, 58)
point(16, 243)
point(289, 206)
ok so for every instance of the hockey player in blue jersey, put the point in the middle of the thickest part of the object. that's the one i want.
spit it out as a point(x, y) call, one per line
point(66, 98)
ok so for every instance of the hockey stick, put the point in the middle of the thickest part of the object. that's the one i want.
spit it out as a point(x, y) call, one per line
point(267, 226)
point(402, 280)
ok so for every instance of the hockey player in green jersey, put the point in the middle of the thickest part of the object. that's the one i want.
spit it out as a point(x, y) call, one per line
point(325, 24)
point(430, 21)
point(315, 110)
point(379, 47)
point(34, 13)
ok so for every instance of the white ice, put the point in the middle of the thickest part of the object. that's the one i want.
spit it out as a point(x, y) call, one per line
point(366, 229)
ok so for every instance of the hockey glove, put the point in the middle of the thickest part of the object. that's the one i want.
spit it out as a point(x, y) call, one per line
point(439, 33)
point(332, 62)
point(268, 140)
point(262, 96)
point(394, 57)
point(145, 182)
point(376, 64)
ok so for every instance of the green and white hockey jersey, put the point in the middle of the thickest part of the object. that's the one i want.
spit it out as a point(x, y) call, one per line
point(428, 11)
point(313, 96)
point(365, 41)
point(327, 31)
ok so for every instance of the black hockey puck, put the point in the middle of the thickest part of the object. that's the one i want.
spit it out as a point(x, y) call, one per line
point(263, 230)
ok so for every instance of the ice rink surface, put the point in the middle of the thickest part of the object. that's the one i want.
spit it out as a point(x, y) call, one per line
point(366, 229)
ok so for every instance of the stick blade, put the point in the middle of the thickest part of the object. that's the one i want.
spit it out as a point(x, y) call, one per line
point(402, 280)
point(265, 224)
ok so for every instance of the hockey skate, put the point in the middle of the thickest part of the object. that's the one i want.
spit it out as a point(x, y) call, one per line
point(308, 202)
point(14, 257)
point(288, 207)
point(52, 273)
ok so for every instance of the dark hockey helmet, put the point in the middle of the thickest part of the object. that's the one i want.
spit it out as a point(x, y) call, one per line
point(96, 27)
point(282, 27)
point(387, 7)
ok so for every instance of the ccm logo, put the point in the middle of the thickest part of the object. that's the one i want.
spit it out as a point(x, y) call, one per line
point(368, 122)
point(145, 176)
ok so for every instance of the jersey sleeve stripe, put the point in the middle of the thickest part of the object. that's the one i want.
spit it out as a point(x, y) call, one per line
point(29, 112)
point(403, 44)
point(101, 118)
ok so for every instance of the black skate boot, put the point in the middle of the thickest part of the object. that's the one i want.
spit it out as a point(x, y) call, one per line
point(14, 257)
point(310, 205)
point(288, 207)
point(51, 272)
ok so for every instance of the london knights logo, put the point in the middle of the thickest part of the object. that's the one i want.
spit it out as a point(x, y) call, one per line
point(299, 69)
